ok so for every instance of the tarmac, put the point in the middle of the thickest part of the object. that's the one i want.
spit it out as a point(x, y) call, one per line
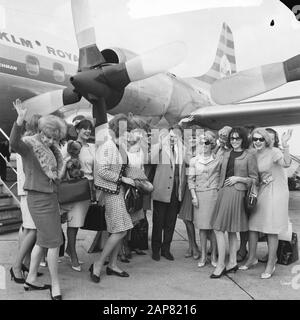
point(158, 280)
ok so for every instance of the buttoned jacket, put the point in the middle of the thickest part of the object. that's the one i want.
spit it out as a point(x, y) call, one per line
point(204, 176)
point(163, 181)
point(244, 166)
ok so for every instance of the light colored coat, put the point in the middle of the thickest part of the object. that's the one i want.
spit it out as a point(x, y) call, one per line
point(204, 176)
point(164, 176)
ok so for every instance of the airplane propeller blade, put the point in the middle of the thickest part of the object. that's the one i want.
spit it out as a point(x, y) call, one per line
point(251, 82)
point(156, 61)
point(50, 101)
point(83, 23)
point(89, 54)
point(101, 81)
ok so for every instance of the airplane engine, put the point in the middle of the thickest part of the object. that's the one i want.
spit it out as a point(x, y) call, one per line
point(117, 55)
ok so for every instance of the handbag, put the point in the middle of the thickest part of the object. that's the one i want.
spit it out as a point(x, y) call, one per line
point(250, 199)
point(133, 200)
point(74, 190)
point(95, 218)
point(287, 251)
point(139, 235)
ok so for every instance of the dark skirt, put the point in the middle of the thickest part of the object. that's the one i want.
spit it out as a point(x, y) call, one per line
point(45, 213)
point(230, 212)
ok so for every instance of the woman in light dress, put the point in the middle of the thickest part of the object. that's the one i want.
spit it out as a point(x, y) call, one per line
point(270, 215)
point(203, 181)
point(78, 210)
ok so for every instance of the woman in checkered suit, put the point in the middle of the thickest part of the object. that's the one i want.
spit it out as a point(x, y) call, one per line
point(111, 175)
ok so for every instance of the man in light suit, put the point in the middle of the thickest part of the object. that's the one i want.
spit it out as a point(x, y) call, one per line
point(167, 194)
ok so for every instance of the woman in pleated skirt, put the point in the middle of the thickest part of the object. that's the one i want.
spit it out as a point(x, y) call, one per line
point(238, 171)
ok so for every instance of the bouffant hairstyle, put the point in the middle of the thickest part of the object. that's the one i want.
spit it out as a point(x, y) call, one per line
point(84, 124)
point(224, 132)
point(276, 138)
point(211, 137)
point(242, 134)
point(53, 126)
point(264, 133)
point(119, 123)
point(31, 126)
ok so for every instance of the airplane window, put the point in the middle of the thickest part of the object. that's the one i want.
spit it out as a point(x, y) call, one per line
point(58, 72)
point(32, 65)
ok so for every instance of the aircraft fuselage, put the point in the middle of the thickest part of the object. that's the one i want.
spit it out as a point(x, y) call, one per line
point(29, 68)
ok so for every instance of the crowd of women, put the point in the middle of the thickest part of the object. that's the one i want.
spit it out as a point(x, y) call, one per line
point(203, 177)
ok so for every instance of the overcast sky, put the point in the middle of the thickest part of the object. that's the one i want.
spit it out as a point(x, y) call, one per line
point(118, 24)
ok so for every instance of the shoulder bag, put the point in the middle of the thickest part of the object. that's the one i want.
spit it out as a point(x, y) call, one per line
point(133, 199)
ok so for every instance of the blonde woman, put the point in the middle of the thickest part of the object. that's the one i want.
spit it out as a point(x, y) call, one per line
point(203, 181)
point(43, 167)
point(271, 213)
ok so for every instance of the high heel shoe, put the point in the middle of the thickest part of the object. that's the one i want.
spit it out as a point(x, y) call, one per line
point(214, 263)
point(217, 276)
point(25, 269)
point(78, 268)
point(245, 267)
point(233, 269)
point(93, 276)
point(188, 254)
point(29, 287)
point(196, 255)
point(201, 263)
point(111, 272)
point(13, 277)
point(57, 297)
point(267, 275)
point(124, 260)
point(140, 252)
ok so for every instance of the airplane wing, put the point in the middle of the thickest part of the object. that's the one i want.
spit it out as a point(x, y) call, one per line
point(262, 113)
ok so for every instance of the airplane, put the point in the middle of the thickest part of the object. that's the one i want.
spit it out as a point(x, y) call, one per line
point(117, 80)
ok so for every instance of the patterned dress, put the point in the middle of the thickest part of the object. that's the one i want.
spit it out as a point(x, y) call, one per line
point(109, 170)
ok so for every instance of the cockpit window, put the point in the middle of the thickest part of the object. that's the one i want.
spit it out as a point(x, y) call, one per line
point(32, 65)
point(58, 72)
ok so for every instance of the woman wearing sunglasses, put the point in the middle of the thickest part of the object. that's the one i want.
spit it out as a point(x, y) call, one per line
point(271, 213)
point(238, 170)
point(203, 180)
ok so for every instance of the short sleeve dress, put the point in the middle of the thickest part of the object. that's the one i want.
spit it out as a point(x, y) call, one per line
point(271, 213)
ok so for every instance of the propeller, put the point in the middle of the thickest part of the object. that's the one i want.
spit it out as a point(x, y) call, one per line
point(248, 83)
point(100, 83)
